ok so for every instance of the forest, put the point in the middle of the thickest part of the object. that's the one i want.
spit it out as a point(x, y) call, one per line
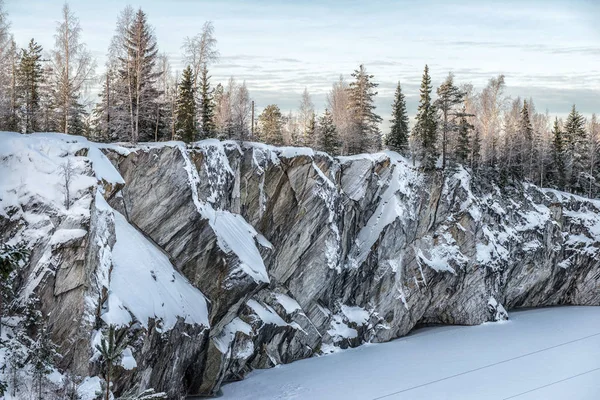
point(141, 98)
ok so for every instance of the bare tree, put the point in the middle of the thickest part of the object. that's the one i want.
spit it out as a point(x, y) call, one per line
point(73, 65)
point(491, 104)
point(200, 50)
point(306, 115)
point(241, 110)
point(338, 103)
point(67, 172)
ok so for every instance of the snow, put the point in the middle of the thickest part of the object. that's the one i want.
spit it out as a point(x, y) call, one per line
point(103, 168)
point(128, 361)
point(391, 207)
point(266, 313)
point(233, 233)
point(224, 339)
point(340, 330)
point(355, 314)
point(88, 388)
point(290, 305)
point(540, 353)
point(66, 235)
point(143, 282)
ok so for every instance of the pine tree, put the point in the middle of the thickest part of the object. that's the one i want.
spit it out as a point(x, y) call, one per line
point(449, 96)
point(557, 170)
point(576, 150)
point(463, 145)
point(271, 125)
point(206, 105)
point(329, 140)
point(365, 135)
point(397, 138)
point(111, 348)
point(426, 126)
point(186, 107)
point(29, 78)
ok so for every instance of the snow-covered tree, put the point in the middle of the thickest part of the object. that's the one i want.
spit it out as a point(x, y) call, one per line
point(338, 103)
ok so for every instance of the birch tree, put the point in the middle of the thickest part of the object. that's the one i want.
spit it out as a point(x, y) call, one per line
point(72, 65)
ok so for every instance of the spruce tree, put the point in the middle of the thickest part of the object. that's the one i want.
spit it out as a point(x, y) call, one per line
point(365, 135)
point(557, 169)
point(463, 145)
point(206, 106)
point(397, 138)
point(526, 157)
point(329, 141)
point(138, 72)
point(576, 151)
point(271, 125)
point(30, 75)
point(426, 126)
point(186, 107)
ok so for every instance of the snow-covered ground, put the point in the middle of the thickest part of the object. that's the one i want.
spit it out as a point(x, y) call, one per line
point(551, 353)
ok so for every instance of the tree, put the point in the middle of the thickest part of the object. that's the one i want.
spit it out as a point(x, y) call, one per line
point(397, 138)
point(137, 71)
point(449, 96)
point(67, 171)
point(557, 170)
point(577, 150)
point(206, 105)
point(426, 126)
point(594, 171)
point(200, 51)
point(111, 350)
point(365, 134)
point(476, 151)
point(338, 103)
point(186, 107)
point(526, 158)
point(307, 119)
point(271, 125)
point(29, 78)
point(329, 140)
point(43, 352)
point(73, 66)
point(463, 145)
point(240, 111)
point(11, 256)
point(491, 102)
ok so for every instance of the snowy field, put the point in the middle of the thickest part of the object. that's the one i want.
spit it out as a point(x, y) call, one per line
point(551, 353)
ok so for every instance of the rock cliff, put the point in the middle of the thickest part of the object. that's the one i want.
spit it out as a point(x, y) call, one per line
point(256, 255)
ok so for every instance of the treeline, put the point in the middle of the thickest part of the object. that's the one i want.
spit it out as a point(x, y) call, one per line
point(143, 99)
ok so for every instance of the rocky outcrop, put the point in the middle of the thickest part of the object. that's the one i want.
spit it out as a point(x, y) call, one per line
point(299, 253)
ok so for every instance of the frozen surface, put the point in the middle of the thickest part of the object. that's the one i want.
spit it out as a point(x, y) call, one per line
point(551, 353)
point(143, 282)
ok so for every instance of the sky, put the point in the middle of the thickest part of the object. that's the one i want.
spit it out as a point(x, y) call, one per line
point(547, 50)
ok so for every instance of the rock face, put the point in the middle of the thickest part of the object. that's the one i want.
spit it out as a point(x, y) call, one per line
point(299, 253)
